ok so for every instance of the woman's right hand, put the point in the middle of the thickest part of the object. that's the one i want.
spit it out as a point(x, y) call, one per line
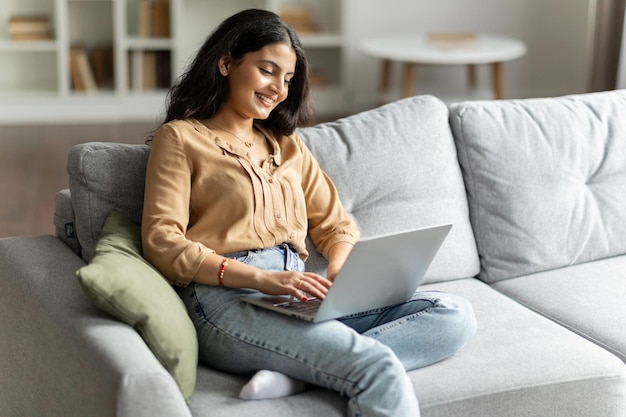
point(237, 274)
point(302, 285)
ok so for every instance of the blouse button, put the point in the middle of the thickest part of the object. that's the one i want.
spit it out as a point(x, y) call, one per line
point(278, 215)
point(271, 181)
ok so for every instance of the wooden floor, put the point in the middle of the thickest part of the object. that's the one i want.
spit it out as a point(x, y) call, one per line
point(32, 169)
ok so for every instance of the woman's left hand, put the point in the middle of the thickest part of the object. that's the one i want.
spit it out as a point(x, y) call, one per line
point(336, 258)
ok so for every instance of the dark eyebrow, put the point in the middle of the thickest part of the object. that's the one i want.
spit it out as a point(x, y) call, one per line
point(274, 64)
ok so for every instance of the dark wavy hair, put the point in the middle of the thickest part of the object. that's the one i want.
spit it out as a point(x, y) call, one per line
point(202, 91)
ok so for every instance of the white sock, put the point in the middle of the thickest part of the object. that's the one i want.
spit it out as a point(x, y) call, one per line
point(269, 384)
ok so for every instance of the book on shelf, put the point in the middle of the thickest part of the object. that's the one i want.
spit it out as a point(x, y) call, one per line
point(29, 27)
point(451, 39)
point(153, 19)
point(150, 70)
point(164, 69)
point(143, 22)
point(102, 59)
point(75, 78)
point(81, 72)
point(299, 18)
point(160, 19)
point(318, 78)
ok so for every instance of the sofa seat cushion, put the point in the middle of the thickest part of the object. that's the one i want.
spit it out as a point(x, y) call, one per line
point(588, 299)
point(546, 180)
point(396, 168)
point(518, 364)
point(217, 390)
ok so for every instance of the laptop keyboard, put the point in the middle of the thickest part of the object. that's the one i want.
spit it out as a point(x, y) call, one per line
point(302, 307)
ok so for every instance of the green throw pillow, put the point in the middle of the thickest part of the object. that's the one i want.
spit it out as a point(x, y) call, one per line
point(119, 281)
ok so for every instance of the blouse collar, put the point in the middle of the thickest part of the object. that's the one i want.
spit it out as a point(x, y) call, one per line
point(275, 155)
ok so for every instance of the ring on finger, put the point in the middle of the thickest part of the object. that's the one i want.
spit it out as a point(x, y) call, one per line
point(300, 284)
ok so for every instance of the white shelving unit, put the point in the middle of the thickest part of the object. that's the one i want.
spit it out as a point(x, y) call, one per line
point(36, 84)
point(325, 50)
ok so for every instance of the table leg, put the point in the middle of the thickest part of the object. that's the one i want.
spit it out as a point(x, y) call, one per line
point(385, 75)
point(498, 80)
point(471, 75)
point(407, 83)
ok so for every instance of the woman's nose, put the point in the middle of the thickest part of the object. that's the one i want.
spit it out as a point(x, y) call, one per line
point(277, 87)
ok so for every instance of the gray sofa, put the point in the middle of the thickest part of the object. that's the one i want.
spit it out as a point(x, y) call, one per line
point(536, 190)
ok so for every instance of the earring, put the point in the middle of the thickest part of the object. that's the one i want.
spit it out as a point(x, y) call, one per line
point(224, 71)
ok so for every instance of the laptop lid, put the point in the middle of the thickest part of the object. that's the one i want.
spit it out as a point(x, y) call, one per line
point(380, 271)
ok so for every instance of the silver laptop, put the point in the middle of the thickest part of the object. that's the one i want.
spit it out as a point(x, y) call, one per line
point(380, 271)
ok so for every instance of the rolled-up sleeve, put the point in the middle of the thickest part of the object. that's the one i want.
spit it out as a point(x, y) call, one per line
point(166, 210)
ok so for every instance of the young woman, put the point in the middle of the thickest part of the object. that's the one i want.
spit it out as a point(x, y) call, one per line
point(231, 193)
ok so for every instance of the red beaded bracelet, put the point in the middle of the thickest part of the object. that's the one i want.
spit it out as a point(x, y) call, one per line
point(220, 275)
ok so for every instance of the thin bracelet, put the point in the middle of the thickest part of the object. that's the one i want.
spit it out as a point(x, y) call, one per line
point(220, 275)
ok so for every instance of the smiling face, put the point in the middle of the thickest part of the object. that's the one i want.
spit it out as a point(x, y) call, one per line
point(259, 81)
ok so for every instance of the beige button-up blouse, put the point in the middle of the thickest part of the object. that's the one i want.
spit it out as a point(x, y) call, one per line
point(203, 195)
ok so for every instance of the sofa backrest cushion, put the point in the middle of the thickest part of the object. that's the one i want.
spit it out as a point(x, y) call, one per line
point(102, 177)
point(546, 180)
point(396, 168)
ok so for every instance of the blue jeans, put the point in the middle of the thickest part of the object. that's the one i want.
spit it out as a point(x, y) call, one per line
point(363, 356)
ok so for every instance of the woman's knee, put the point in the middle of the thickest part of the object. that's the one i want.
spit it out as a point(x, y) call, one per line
point(459, 318)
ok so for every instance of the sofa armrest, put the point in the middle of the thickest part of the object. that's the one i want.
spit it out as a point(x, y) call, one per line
point(60, 355)
point(64, 222)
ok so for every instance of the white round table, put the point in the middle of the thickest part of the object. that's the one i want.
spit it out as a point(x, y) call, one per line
point(412, 49)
